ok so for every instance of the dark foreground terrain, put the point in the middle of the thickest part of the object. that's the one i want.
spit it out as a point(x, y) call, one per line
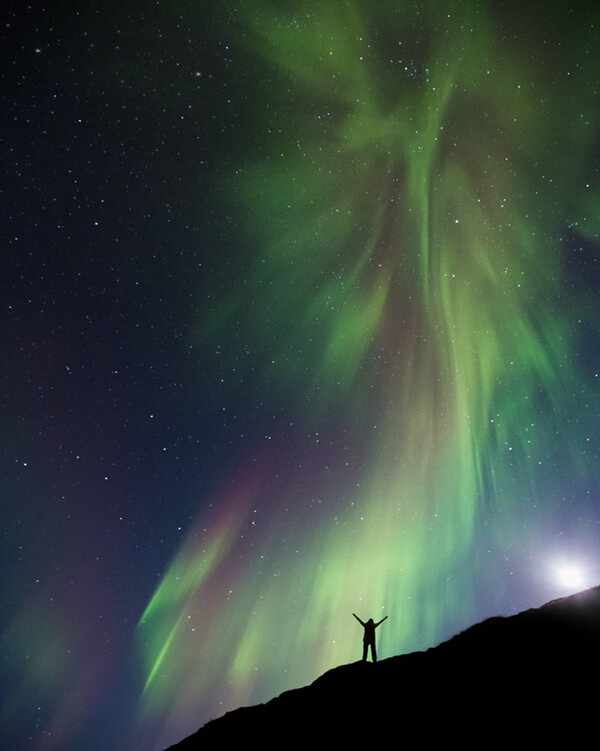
point(525, 681)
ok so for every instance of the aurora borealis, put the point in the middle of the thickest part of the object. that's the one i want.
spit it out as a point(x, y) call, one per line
point(301, 314)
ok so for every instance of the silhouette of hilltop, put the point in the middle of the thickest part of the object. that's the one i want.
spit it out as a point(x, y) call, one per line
point(528, 680)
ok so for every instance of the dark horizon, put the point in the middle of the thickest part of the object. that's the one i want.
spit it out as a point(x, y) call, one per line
point(515, 679)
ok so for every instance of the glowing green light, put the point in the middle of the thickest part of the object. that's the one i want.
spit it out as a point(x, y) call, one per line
point(406, 287)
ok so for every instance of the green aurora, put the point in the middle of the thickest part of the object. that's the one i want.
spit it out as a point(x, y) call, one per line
point(403, 197)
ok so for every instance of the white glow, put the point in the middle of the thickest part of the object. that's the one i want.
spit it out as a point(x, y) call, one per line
point(568, 573)
point(570, 576)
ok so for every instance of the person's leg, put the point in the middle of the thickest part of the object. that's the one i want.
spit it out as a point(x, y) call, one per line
point(373, 652)
point(365, 648)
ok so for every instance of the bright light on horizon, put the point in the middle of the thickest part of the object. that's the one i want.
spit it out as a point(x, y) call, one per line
point(571, 575)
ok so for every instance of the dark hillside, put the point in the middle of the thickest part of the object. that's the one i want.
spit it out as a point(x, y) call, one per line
point(528, 680)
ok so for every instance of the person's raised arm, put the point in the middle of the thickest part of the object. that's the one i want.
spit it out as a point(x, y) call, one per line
point(358, 619)
point(381, 621)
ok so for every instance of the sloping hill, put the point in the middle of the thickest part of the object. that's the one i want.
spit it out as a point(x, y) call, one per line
point(525, 681)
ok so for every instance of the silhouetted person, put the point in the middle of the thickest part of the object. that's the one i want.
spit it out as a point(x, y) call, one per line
point(369, 637)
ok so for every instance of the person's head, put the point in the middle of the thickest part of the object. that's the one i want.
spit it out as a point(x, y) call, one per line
point(370, 620)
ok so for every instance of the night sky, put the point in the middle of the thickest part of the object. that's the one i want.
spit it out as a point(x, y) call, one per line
point(299, 318)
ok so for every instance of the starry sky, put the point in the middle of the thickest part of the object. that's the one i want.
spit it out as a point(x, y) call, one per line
point(299, 319)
